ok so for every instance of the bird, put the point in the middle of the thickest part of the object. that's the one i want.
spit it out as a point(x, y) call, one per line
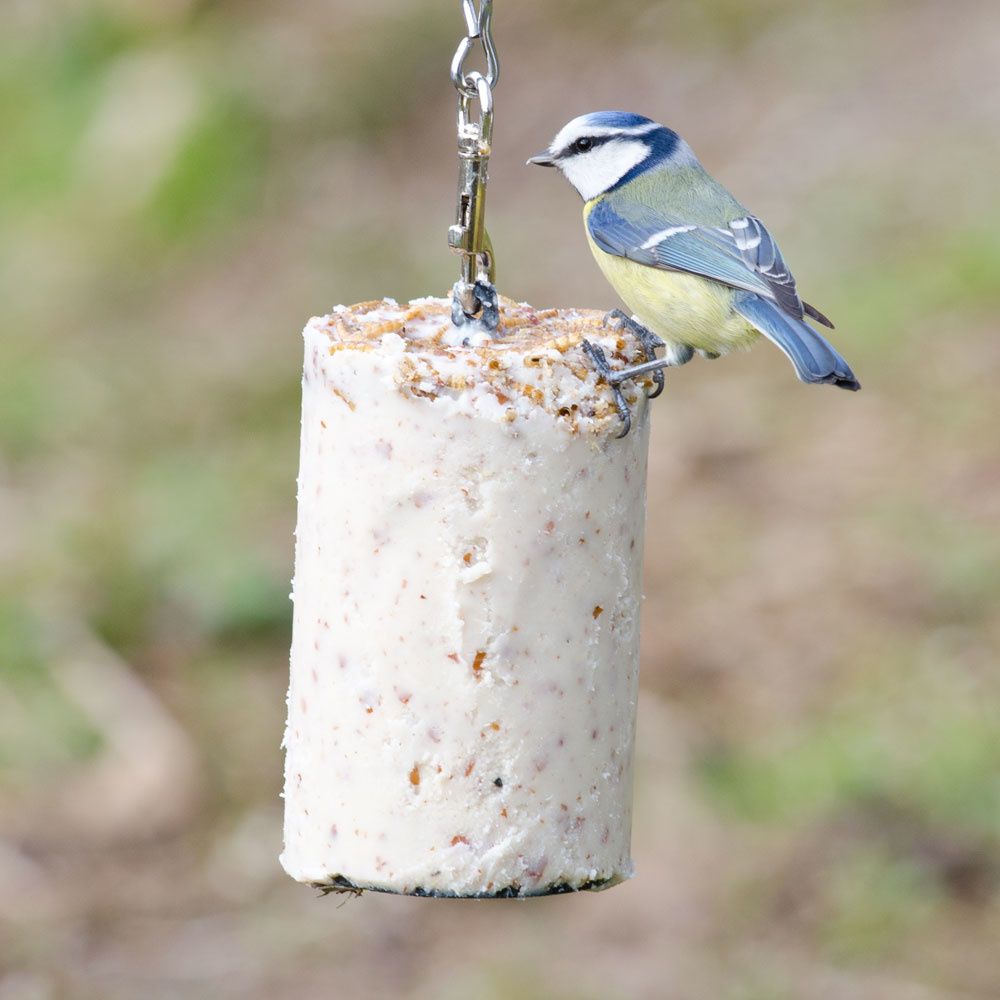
point(698, 272)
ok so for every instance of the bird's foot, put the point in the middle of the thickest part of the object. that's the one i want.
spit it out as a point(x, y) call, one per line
point(614, 380)
point(649, 340)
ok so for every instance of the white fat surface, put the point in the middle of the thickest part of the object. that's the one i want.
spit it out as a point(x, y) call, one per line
point(466, 609)
point(472, 334)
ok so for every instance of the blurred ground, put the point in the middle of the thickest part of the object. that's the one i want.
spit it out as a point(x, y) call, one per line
point(183, 183)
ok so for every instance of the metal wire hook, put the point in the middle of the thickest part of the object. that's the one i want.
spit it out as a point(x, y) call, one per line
point(479, 27)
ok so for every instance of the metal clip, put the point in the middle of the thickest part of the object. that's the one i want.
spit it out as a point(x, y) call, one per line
point(474, 297)
point(468, 236)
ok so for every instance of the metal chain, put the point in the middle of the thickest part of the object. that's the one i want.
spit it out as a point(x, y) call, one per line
point(474, 297)
point(478, 27)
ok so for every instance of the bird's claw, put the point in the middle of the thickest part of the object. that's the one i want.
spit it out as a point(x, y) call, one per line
point(614, 380)
point(649, 340)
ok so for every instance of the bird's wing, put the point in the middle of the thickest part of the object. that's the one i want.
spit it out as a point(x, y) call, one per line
point(741, 254)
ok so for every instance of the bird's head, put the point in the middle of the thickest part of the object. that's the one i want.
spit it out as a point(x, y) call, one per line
point(602, 150)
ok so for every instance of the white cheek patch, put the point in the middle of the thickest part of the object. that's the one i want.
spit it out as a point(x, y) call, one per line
point(594, 172)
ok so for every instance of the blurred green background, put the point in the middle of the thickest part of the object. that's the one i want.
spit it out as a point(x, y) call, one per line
point(184, 182)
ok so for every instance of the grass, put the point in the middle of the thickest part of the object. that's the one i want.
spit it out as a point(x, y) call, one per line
point(920, 736)
point(876, 900)
point(43, 731)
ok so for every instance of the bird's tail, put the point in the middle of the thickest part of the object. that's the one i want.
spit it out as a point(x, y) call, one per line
point(814, 359)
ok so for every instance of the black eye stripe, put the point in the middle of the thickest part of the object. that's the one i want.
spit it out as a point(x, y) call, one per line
point(594, 140)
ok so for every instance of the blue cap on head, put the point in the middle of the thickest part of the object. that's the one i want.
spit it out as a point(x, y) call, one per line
point(617, 119)
point(603, 150)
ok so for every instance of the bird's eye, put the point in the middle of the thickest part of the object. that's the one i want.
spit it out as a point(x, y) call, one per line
point(583, 144)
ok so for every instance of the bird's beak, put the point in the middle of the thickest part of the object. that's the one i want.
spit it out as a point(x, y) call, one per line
point(542, 160)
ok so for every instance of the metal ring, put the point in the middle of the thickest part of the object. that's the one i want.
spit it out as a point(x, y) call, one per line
point(464, 82)
point(480, 92)
point(484, 92)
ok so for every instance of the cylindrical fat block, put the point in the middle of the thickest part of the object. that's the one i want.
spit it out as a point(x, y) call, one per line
point(468, 560)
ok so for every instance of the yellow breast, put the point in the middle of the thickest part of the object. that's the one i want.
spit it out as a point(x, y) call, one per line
point(680, 308)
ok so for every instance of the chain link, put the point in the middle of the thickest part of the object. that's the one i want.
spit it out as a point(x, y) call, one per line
point(474, 297)
point(478, 28)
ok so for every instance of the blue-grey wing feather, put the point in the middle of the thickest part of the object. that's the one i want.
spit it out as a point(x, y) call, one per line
point(668, 243)
point(761, 254)
point(743, 254)
point(705, 252)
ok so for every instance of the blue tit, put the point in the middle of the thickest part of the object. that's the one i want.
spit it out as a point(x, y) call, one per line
point(698, 272)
